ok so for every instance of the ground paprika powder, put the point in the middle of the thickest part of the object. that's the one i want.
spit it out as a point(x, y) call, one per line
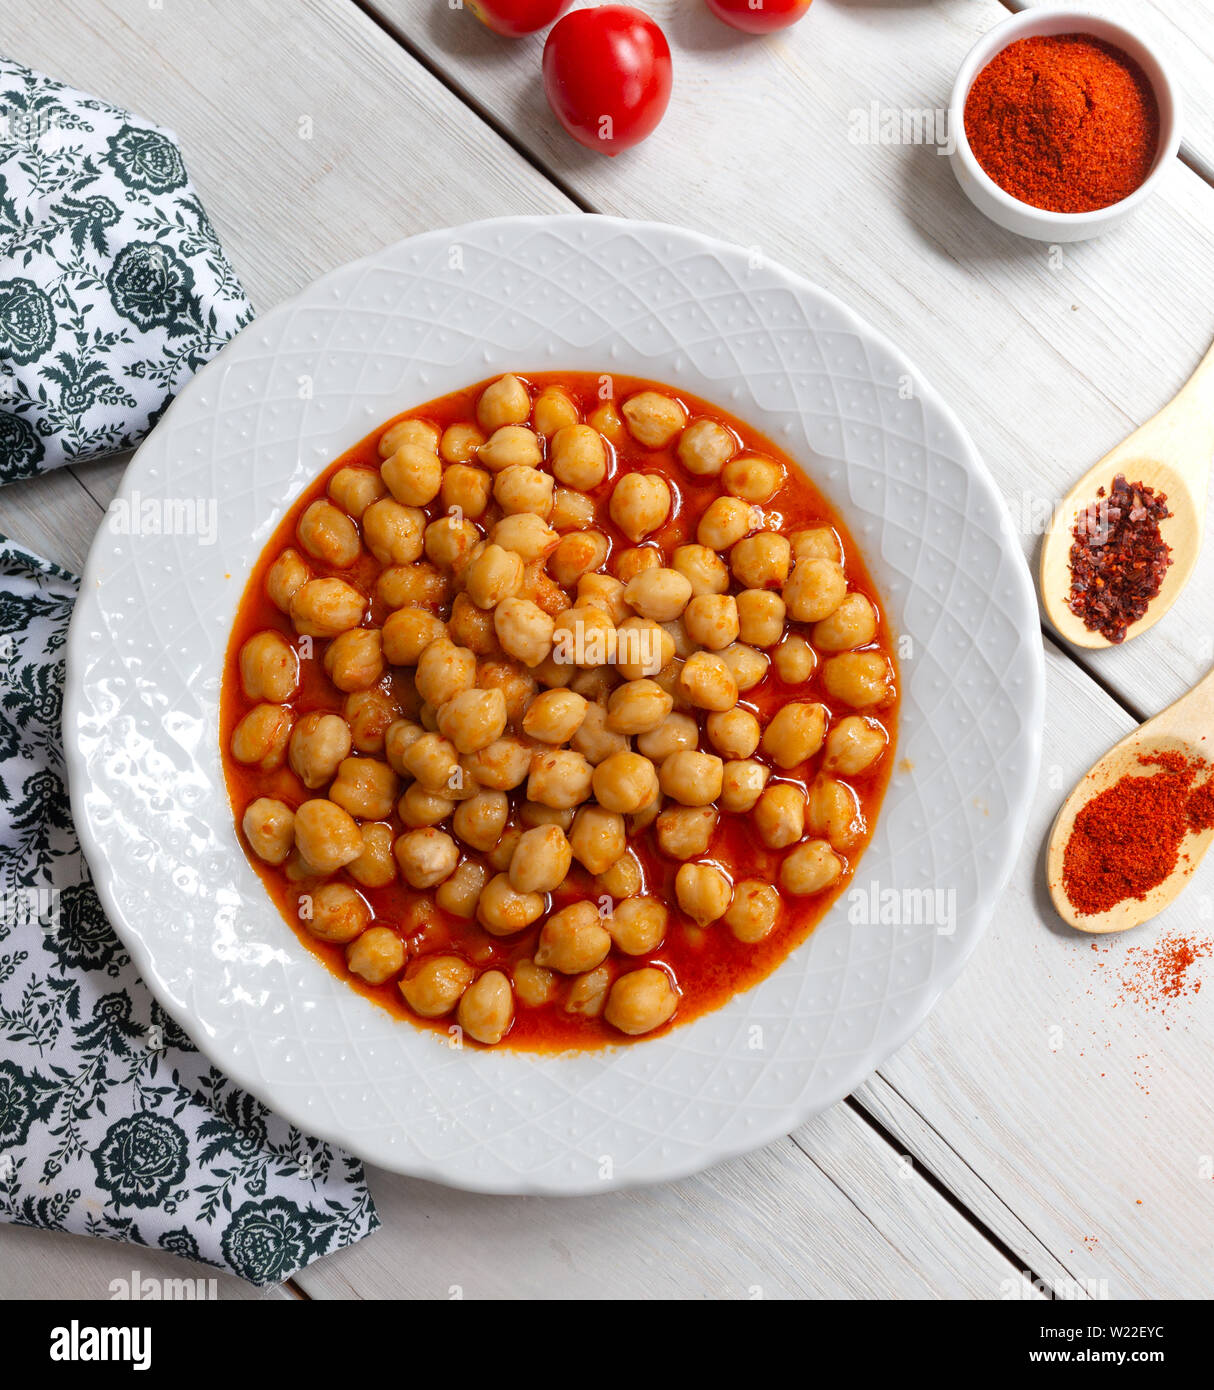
point(1064, 122)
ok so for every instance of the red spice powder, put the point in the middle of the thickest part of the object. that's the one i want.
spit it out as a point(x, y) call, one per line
point(1126, 840)
point(1063, 122)
point(1118, 557)
point(1155, 976)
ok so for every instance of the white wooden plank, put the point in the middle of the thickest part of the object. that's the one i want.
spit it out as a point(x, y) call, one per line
point(849, 1222)
point(1182, 32)
point(1049, 355)
point(49, 1264)
point(51, 515)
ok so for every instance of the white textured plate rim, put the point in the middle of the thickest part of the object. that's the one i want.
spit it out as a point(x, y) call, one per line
point(504, 1181)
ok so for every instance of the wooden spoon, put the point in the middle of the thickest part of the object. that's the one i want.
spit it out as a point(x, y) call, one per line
point(1186, 727)
point(1170, 453)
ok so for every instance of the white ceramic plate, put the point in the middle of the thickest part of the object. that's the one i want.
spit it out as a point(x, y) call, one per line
point(298, 387)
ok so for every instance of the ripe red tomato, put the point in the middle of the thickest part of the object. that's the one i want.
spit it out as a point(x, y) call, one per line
point(514, 18)
point(759, 16)
point(607, 76)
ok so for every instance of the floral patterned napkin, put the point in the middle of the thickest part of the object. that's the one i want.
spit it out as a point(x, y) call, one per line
point(113, 290)
point(113, 286)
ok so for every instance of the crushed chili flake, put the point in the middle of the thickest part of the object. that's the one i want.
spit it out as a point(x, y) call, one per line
point(1118, 557)
point(1126, 840)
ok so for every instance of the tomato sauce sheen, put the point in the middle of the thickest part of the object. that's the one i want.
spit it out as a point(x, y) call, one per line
point(709, 963)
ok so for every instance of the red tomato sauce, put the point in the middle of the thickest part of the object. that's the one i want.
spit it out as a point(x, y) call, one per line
point(709, 964)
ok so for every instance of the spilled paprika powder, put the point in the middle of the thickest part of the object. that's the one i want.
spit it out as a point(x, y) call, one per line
point(1127, 839)
point(1064, 122)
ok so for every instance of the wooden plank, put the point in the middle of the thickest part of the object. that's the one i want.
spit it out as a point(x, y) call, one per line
point(851, 1222)
point(50, 1264)
point(1049, 355)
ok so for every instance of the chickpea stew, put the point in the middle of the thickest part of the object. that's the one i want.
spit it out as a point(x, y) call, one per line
point(558, 711)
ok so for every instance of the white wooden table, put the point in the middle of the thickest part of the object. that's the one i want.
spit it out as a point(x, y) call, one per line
point(1030, 1125)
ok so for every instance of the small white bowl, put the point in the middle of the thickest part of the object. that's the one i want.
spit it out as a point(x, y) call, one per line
point(1024, 218)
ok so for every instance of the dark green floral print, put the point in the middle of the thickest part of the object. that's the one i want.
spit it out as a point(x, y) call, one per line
point(111, 1123)
point(115, 289)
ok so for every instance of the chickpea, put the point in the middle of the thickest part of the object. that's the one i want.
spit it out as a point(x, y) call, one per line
point(318, 744)
point(449, 542)
point(355, 659)
point(594, 683)
point(795, 660)
point(533, 985)
point(534, 813)
point(810, 868)
point(260, 739)
point(683, 645)
point(597, 839)
point(635, 560)
point(553, 411)
point(675, 732)
point(576, 555)
point(460, 893)
point(514, 681)
point(434, 985)
point(854, 744)
point(480, 820)
point(593, 740)
point(444, 671)
point(779, 815)
point(725, 521)
point(418, 807)
point(711, 620)
point(691, 777)
point(466, 490)
point(702, 567)
point(413, 475)
point(368, 714)
point(502, 910)
point(571, 510)
point(398, 737)
point(746, 666)
point(641, 1001)
point(814, 590)
point(817, 543)
point(511, 446)
point(541, 860)
point(434, 762)
point(760, 617)
point(852, 624)
point(394, 534)
point(426, 856)
point(375, 867)
point(761, 561)
point(522, 488)
point(334, 912)
point(376, 956)
point(473, 719)
point(742, 784)
point(705, 447)
point(587, 992)
point(326, 836)
point(542, 589)
point(328, 535)
point(560, 778)
point(486, 1009)
point(637, 707)
point(493, 575)
point(285, 577)
point(654, 419)
point(703, 892)
point(573, 940)
point(472, 627)
point(365, 787)
point(833, 812)
point(606, 419)
point(625, 782)
point(859, 679)
point(459, 445)
point(603, 591)
point(623, 879)
point(752, 478)
point(638, 925)
point(419, 433)
point(326, 607)
point(643, 648)
point(707, 682)
point(684, 832)
point(418, 585)
point(658, 594)
point(796, 732)
point(269, 667)
point(505, 401)
point(639, 821)
point(527, 535)
point(640, 503)
point(503, 765)
point(407, 633)
point(754, 911)
point(584, 637)
point(555, 716)
point(734, 733)
point(269, 827)
point(579, 457)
